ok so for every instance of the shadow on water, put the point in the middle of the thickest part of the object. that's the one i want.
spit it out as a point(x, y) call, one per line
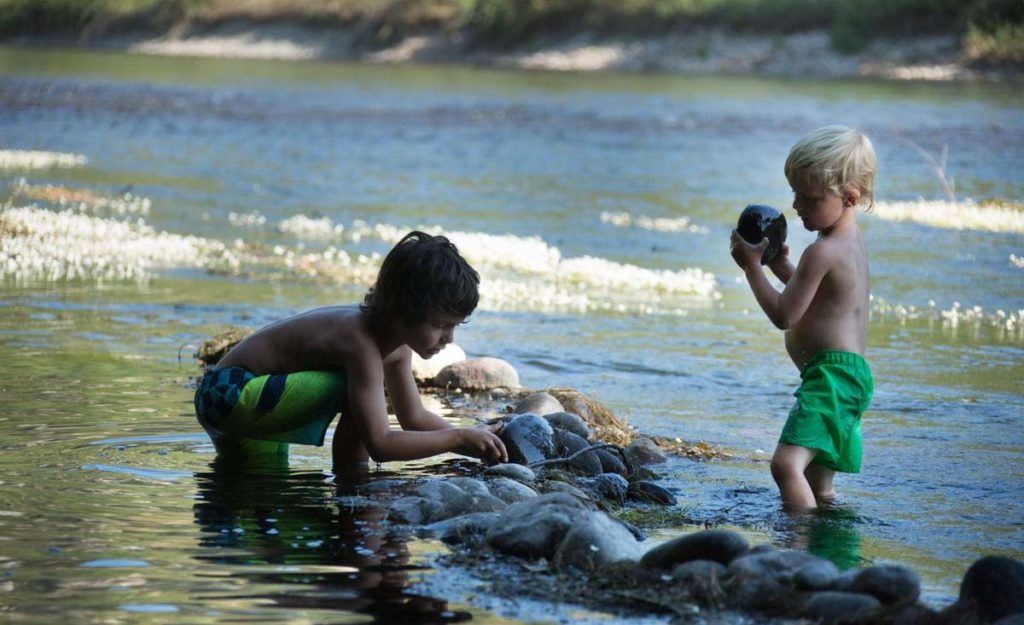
point(830, 533)
point(284, 533)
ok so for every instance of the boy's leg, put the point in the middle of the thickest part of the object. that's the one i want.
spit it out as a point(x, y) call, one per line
point(347, 449)
point(820, 479)
point(788, 465)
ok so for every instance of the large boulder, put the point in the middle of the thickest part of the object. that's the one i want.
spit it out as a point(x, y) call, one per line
point(994, 587)
point(534, 528)
point(478, 374)
point(596, 541)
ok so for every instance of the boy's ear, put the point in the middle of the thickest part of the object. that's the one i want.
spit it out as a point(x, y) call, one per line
point(851, 197)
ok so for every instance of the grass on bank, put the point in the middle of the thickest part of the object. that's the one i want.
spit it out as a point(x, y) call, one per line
point(992, 31)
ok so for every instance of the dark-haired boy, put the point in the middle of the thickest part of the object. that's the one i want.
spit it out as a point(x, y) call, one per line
point(286, 382)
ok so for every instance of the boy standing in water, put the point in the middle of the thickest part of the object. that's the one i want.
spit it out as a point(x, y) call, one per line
point(824, 310)
point(286, 382)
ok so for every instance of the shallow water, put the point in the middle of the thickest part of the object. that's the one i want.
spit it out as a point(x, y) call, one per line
point(109, 506)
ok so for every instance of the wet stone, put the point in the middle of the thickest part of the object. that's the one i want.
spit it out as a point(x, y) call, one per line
point(1013, 619)
point(468, 528)
point(818, 575)
point(610, 486)
point(832, 605)
point(470, 486)
point(888, 583)
point(511, 470)
point(644, 451)
point(611, 462)
point(528, 438)
point(478, 374)
point(995, 585)
point(650, 492)
point(413, 510)
point(596, 541)
point(534, 528)
point(716, 545)
point(538, 403)
point(509, 490)
point(568, 443)
point(775, 564)
point(567, 421)
point(556, 486)
point(698, 571)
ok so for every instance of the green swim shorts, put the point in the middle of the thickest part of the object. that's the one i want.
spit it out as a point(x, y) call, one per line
point(835, 390)
point(237, 407)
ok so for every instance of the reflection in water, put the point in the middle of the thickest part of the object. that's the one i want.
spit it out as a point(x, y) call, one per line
point(283, 532)
point(830, 533)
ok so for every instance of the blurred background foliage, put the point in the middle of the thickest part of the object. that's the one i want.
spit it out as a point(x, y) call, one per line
point(991, 31)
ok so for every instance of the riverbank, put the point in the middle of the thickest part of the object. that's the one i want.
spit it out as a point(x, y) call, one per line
point(704, 51)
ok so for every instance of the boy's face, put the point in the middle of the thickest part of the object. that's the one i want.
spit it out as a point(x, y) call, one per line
point(430, 336)
point(817, 207)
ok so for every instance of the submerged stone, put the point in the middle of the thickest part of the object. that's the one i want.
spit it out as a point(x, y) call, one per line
point(528, 438)
point(468, 528)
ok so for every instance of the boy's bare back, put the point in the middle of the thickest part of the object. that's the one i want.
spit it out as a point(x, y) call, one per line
point(322, 339)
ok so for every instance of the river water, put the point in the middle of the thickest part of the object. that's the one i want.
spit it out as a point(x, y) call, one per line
point(208, 193)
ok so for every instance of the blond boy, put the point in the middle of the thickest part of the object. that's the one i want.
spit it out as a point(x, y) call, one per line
point(823, 308)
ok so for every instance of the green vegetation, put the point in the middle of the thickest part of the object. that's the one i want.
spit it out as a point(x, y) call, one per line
point(992, 31)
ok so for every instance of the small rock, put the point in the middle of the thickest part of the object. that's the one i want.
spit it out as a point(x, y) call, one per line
point(567, 421)
point(818, 575)
point(509, 490)
point(511, 470)
point(477, 374)
point(649, 491)
point(889, 583)
point(568, 443)
point(538, 403)
point(716, 545)
point(644, 451)
point(1013, 619)
point(832, 605)
point(596, 541)
point(528, 438)
point(611, 462)
point(995, 585)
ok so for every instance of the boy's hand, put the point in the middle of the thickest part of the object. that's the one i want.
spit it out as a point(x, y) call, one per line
point(744, 253)
point(481, 442)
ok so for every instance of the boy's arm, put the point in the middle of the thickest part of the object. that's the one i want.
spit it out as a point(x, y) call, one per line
point(369, 414)
point(405, 396)
point(786, 308)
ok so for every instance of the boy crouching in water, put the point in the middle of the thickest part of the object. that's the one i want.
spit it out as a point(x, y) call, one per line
point(286, 382)
point(824, 310)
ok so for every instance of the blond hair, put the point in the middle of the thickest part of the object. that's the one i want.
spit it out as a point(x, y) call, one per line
point(837, 158)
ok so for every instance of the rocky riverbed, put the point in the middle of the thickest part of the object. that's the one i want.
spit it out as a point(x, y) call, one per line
point(549, 525)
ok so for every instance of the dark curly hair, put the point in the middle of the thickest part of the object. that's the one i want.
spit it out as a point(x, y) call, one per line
point(422, 276)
